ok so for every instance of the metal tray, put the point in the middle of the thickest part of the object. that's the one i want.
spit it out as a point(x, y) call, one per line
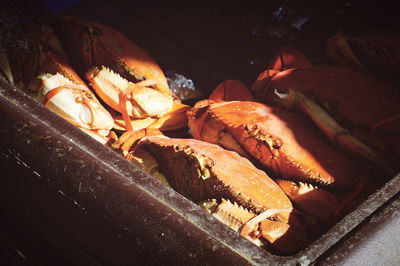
point(67, 199)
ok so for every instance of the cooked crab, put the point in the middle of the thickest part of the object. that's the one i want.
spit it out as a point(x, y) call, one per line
point(318, 178)
point(343, 102)
point(124, 76)
point(224, 183)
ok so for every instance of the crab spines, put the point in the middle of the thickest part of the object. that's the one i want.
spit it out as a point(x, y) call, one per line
point(138, 100)
point(303, 195)
point(263, 229)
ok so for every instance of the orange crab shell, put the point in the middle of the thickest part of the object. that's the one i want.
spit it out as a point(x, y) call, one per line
point(288, 57)
point(231, 90)
point(233, 172)
point(337, 88)
point(53, 63)
point(202, 171)
point(93, 44)
point(367, 106)
point(289, 146)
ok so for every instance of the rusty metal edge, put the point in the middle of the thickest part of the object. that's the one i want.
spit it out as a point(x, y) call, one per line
point(24, 118)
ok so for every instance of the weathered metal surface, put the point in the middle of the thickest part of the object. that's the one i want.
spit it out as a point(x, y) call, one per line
point(89, 206)
point(374, 242)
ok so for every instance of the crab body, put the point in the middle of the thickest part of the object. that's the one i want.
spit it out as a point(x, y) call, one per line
point(41, 68)
point(93, 44)
point(124, 76)
point(202, 171)
point(365, 105)
point(231, 90)
point(38, 52)
point(317, 177)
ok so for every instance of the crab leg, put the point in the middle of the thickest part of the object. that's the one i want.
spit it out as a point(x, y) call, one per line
point(339, 47)
point(336, 133)
point(247, 228)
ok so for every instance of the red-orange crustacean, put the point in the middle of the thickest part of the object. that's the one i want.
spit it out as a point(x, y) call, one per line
point(319, 179)
point(124, 76)
point(39, 51)
point(363, 105)
point(224, 183)
point(41, 68)
point(376, 50)
point(316, 177)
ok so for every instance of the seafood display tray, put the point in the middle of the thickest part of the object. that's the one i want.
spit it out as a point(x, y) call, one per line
point(68, 200)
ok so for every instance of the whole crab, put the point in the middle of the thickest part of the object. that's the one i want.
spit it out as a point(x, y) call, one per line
point(318, 178)
point(41, 68)
point(124, 76)
point(224, 183)
point(357, 111)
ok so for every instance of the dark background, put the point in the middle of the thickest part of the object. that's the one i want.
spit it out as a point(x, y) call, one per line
point(211, 41)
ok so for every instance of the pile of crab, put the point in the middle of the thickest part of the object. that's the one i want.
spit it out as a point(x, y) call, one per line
point(279, 163)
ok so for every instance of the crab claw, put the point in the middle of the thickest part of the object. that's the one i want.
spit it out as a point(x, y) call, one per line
point(261, 229)
point(139, 100)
